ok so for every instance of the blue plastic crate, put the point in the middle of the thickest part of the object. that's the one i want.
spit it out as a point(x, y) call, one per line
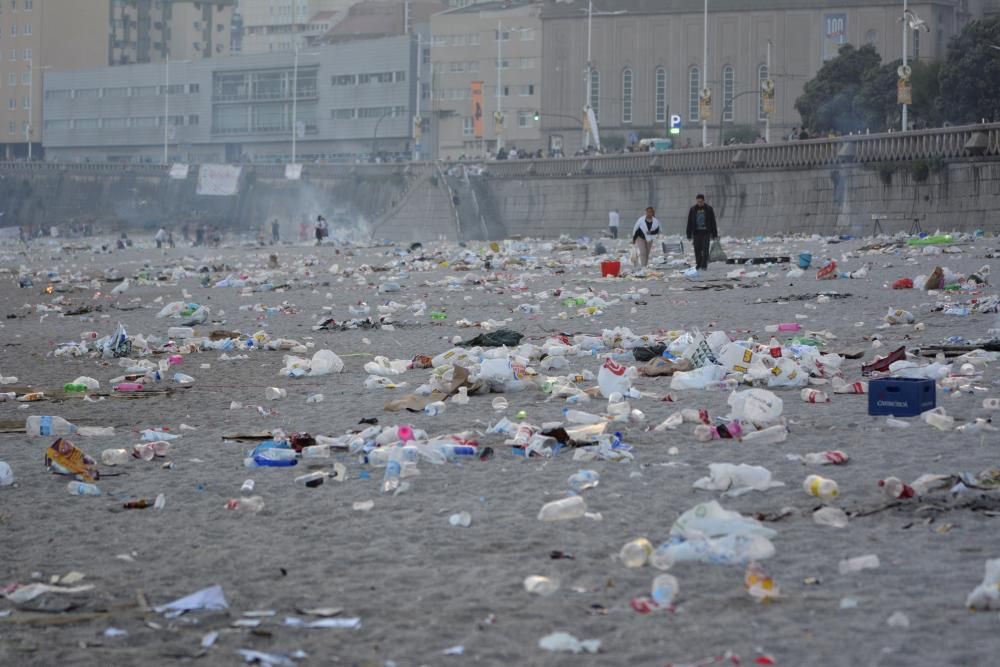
point(901, 397)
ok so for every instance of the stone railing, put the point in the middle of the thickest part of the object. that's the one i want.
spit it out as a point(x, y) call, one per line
point(944, 143)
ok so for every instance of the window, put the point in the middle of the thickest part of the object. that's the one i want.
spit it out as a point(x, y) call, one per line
point(27, 54)
point(525, 119)
point(26, 77)
point(728, 86)
point(27, 28)
point(58, 124)
point(13, 55)
point(694, 88)
point(473, 66)
point(425, 90)
point(86, 123)
point(425, 56)
point(400, 76)
point(502, 63)
point(146, 91)
point(13, 30)
point(114, 123)
point(118, 91)
point(527, 63)
point(467, 126)
point(871, 37)
point(26, 102)
point(12, 79)
point(343, 80)
point(661, 95)
point(595, 91)
point(916, 45)
point(146, 121)
point(11, 127)
point(762, 76)
point(627, 95)
point(175, 121)
point(526, 90)
point(342, 114)
point(501, 35)
point(172, 89)
point(58, 94)
point(193, 119)
point(194, 88)
point(527, 34)
point(456, 67)
point(12, 103)
point(88, 93)
point(474, 39)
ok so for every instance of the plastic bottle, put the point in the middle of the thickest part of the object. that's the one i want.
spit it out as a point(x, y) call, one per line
point(939, 420)
point(849, 565)
point(771, 435)
point(128, 387)
point(82, 489)
point(48, 425)
point(636, 552)
point(438, 315)
point(89, 335)
point(247, 486)
point(664, 589)
point(455, 451)
point(393, 470)
point(72, 388)
point(814, 396)
point(820, 487)
point(895, 488)
point(252, 504)
point(182, 378)
point(784, 326)
point(583, 480)
point(434, 409)
point(115, 457)
point(316, 452)
point(6, 474)
point(572, 507)
point(774, 348)
point(830, 516)
point(275, 457)
point(829, 457)
point(180, 332)
point(581, 417)
point(175, 359)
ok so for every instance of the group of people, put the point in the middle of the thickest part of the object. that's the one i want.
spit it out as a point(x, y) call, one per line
point(702, 229)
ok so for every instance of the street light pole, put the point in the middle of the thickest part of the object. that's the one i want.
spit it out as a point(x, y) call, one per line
point(587, 75)
point(295, 81)
point(704, 74)
point(166, 106)
point(906, 28)
point(767, 116)
point(498, 119)
point(31, 105)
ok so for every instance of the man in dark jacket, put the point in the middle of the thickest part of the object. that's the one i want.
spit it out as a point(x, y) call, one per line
point(701, 229)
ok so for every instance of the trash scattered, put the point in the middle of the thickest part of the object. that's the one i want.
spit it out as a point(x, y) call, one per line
point(563, 641)
point(987, 594)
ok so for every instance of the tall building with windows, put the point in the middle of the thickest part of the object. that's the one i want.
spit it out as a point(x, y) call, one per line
point(342, 102)
point(646, 58)
point(495, 48)
point(37, 36)
point(147, 31)
point(275, 25)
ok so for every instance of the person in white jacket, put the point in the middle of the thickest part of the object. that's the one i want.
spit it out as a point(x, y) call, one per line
point(645, 229)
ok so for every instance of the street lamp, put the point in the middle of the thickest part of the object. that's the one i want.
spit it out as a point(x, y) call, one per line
point(295, 96)
point(704, 70)
point(910, 22)
point(388, 112)
point(587, 74)
point(29, 129)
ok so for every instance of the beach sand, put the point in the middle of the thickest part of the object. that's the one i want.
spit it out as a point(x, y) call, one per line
point(421, 586)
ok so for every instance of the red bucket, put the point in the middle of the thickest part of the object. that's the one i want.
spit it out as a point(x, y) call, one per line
point(610, 269)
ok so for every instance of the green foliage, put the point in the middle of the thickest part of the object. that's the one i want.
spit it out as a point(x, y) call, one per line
point(827, 103)
point(875, 103)
point(969, 91)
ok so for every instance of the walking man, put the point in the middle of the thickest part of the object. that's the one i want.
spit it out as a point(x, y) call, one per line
point(613, 219)
point(275, 231)
point(701, 229)
point(645, 229)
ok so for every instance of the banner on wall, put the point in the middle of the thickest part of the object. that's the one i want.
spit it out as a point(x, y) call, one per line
point(477, 108)
point(178, 171)
point(834, 34)
point(221, 180)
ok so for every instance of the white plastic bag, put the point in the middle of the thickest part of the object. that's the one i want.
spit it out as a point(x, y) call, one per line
point(699, 378)
point(736, 480)
point(756, 405)
point(325, 362)
point(613, 378)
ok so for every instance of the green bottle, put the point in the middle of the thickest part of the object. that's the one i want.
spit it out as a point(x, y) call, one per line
point(72, 387)
point(437, 315)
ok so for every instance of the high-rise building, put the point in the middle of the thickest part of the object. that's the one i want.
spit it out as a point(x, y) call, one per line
point(37, 36)
point(144, 31)
point(274, 25)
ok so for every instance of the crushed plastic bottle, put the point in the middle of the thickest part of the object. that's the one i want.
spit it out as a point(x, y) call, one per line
point(664, 589)
point(830, 516)
point(252, 504)
point(539, 585)
point(572, 507)
point(850, 565)
point(48, 425)
point(82, 489)
point(820, 487)
point(583, 480)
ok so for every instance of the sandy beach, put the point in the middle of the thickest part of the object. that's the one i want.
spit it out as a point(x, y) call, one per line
point(421, 587)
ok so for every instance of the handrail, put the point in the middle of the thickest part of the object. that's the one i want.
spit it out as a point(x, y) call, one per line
point(941, 143)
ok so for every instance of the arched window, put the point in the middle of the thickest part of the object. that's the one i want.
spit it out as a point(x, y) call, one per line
point(694, 86)
point(595, 91)
point(728, 90)
point(661, 95)
point(627, 96)
point(762, 76)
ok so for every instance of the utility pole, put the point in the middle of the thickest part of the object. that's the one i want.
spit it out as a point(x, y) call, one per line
point(906, 29)
point(166, 105)
point(295, 81)
point(498, 118)
point(587, 75)
point(417, 119)
point(704, 74)
point(767, 119)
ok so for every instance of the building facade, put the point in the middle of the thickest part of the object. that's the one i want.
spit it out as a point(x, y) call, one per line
point(275, 25)
point(149, 31)
point(646, 59)
point(343, 102)
point(495, 47)
point(37, 36)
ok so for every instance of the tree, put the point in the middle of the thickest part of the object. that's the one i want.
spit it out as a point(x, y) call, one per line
point(969, 75)
point(827, 102)
point(877, 104)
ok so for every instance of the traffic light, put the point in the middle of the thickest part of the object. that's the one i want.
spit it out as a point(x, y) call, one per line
point(675, 124)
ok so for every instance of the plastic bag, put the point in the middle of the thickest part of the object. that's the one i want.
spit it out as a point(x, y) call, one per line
point(756, 405)
point(715, 251)
point(699, 378)
point(612, 378)
point(325, 362)
point(736, 480)
point(987, 594)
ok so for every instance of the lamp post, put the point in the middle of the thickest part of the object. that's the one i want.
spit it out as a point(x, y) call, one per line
point(589, 69)
point(767, 116)
point(704, 73)
point(906, 31)
point(166, 104)
point(385, 114)
point(29, 129)
point(910, 22)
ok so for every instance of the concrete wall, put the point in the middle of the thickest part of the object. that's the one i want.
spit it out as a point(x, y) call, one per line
point(965, 195)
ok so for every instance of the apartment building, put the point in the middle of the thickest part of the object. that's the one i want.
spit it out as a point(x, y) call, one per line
point(487, 77)
point(276, 25)
point(343, 102)
point(37, 36)
point(146, 31)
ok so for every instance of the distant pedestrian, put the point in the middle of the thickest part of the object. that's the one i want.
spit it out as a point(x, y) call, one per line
point(645, 229)
point(161, 236)
point(613, 219)
point(275, 231)
point(701, 229)
point(321, 229)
